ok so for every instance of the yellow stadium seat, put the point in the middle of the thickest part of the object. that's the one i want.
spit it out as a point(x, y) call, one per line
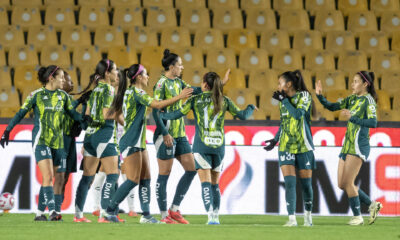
point(396, 41)
point(317, 60)
point(270, 105)
point(22, 56)
point(328, 21)
point(191, 57)
point(294, 20)
point(253, 59)
point(218, 4)
point(206, 39)
point(383, 100)
point(3, 16)
point(307, 78)
point(175, 37)
point(221, 58)
point(226, 19)
point(123, 56)
point(260, 20)
point(274, 40)
point(287, 60)
point(315, 6)
point(396, 102)
point(388, 115)
point(373, 41)
point(127, 17)
point(55, 55)
point(9, 102)
point(380, 7)
point(255, 4)
point(239, 39)
point(243, 97)
point(349, 6)
point(5, 77)
point(362, 21)
point(351, 61)
point(59, 2)
point(34, 3)
point(125, 3)
point(390, 83)
point(180, 4)
point(86, 56)
point(93, 3)
point(26, 76)
point(287, 5)
point(25, 17)
point(140, 37)
point(85, 72)
point(260, 78)
point(237, 79)
point(77, 36)
point(305, 41)
point(93, 16)
point(390, 21)
point(157, 3)
point(2, 58)
point(108, 36)
point(194, 76)
point(339, 41)
point(336, 96)
point(41, 36)
point(160, 18)
point(195, 18)
point(384, 61)
point(151, 57)
point(331, 80)
point(60, 16)
point(260, 114)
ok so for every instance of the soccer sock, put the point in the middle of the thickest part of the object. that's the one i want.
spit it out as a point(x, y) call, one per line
point(108, 190)
point(81, 194)
point(41, 203)
point(131, 196)
point(183, 186)
point(207, 195)
point(355, 205)
point(144, 196)
point(161, 194)
point(96, 188)
point(290, 189)
point(58, 200)
point(364, 198)
point(49, 198)
point(306, 186)
point(120, 194)
point(216, 197)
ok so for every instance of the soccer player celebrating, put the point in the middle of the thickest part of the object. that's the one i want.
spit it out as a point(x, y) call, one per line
point(132, 103)
point(359, 109)
point(295, 142)
point(209, 143)
point(49, 104)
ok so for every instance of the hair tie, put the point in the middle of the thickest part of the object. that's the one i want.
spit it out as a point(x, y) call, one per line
point(97, 77)
point(140, 70)
point(108, 65)
point(362, 75)
point(51, 74)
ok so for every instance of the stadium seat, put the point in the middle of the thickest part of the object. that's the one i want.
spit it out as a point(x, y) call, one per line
point(384, 61)
point(85, 72)
point(315, 6)
point(380, 7)
point(390, 83)
point(255, 4)
point(307, 78)
point(59, 16)
point(260, 20)
point(243, 97)
point(22, 56)
point(157, 3)
point(55, 55)
point(218, 4)
point(373, 41)
point(86, 56)
point(206, 39)
point(239, 39)
point(123, 56)
point(77, 36)
point(305, 41)
point(221, 58)
point(2, 58)
point(127, 17)
point(226, 19)
point(274, 40)
point(125, 3)
point(139, 37)
point(103, 3)
point(383, 100)
point(331, 80)
point(388, 115)
point(192, 57)
point(93, 16)
point(362, 21)
point(287, 5)
point(396, 42)
point(390, 22)
point(260, 114)
point(5, 77)
point(253, 59)
point(260, 78)
point(351, 61)
point(237, 79)
point(287, 60)
point(194, 18)
point(194, 76)
point(396, 102)
point(339, 41)
point(160, 18)
point(328, 21)
point(41, 36)
point(336, 96)
point(9, 102)
point(175, 37)
point(180, 4)
point(3, 16)
point(317, 60)
point(270, 105)
point(59, 2)
point(293, 20)
point(25, 17)
point(25, 3)
point(151, 57)
point(108, 36)
point(349, 6)
point(25, 76)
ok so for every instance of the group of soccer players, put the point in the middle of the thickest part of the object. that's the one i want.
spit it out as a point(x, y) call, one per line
point(115, 99)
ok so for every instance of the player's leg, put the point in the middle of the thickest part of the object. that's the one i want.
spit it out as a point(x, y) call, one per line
point(131, 196)
point(47, 171)
point(287, 164)
point(96, 187)
point(305, 163)
point(59, 163)
point(110, 164)
point(216, 195)
point(206, 192)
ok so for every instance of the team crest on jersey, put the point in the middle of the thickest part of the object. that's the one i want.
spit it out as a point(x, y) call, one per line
point(43, 153)
point(45, 98)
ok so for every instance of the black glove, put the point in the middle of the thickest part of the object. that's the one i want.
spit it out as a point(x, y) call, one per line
point(76, 129)
point(279, 95)
point(84, 97)
point(270, 144)
point(5, 138)
point(86, 120)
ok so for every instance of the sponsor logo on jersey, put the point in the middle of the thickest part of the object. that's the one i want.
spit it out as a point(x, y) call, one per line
point(45, 98)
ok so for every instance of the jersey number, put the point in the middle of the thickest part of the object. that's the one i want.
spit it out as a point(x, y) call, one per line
point(213, 122)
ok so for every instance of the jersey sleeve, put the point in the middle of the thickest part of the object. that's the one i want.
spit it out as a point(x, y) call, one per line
point(236, 112)
point(159, 91)
point(187, 106)
point(70, 109)
point(302, 106)
point(342, 104)
point(196, 90)
point(108, 97)
point(185, 109)
point(371, 120)
point(143, 98)
point(29, 103)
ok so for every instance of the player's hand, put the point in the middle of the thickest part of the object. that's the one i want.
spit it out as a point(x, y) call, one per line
point(5, 138)
point(226, 77)
point(186, 92)
point(168, 140)
point(318, 87)
point(270, 144)
point(346, 114)
point(279, 95)
point(85, 97)
point(87, 119)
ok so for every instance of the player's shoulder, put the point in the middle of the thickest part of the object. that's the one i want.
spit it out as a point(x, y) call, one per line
point(369, 99)
point(36, 92)
point(160, 83)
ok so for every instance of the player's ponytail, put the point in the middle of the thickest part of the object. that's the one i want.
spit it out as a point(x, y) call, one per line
point(118, 101)
point(105, 65)
point(215, 84)
point(369, 78)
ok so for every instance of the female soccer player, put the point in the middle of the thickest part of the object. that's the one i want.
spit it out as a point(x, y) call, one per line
point(209, 143)
point(49, 104)
point(359, 109)
point(295, 142)
point(132, 102)
point(99, 145)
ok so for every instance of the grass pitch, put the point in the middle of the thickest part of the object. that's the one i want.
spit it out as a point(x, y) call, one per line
point(22, 226)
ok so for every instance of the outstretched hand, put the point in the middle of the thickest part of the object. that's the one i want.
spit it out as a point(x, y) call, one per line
point(318, 87)
point(270, 144)
point(5, 138)
point(226, 77)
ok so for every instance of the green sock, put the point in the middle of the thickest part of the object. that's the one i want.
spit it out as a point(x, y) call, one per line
point(364, 198)
point(41, 201)
point(290, 193)
point(161, 191)
point(81, 192)
point(58, 200)
point(216, 196)
point(120, 195)
point(49, 198)
point(306, 186)
point(183, 187)
point(108, 190)
point(355, 205)
point(144, 196)
point(206, 193)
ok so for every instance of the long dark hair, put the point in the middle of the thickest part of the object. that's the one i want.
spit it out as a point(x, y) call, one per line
point(215, 84)
point(369, 78)
point(45, 73)
point(105, 65)
point(299, 85)
point(169, 59)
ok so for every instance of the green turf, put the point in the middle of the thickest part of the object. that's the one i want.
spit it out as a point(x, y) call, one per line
point(21, 226)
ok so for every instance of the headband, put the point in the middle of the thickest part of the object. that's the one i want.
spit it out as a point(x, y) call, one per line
point(362, 75)
point(140, 70)
point(51, 74)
